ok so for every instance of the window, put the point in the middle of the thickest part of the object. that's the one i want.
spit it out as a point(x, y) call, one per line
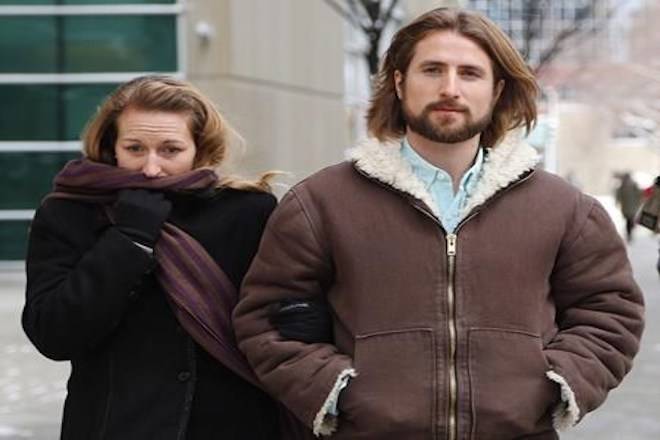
point(14, 193)
point(13, 236)
point(57, 112)
point(88, 44)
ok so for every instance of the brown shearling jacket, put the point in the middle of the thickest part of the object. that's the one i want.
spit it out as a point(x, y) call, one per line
point(514, 326)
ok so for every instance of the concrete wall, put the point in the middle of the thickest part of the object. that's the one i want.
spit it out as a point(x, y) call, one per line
point(275, 69)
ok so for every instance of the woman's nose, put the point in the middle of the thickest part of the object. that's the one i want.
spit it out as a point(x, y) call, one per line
point(151, 166)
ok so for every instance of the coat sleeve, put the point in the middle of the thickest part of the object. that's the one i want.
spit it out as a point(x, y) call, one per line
point(291, 263)
point(76, 297)
point(599, 314)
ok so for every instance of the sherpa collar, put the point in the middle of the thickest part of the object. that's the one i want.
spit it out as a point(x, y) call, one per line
point(503, 165)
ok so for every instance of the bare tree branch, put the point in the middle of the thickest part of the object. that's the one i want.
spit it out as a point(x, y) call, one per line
point(388, 14)
point(372, 9)
point(371, 18)
point(365, 25)
point(556, 47)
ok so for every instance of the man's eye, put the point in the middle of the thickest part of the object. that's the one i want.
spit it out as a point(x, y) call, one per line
point(471, 74)
point(431, 70)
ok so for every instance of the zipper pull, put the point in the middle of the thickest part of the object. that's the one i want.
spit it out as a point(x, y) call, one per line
point(451, 245)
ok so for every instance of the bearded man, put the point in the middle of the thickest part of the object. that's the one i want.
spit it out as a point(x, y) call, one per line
point(472, 295)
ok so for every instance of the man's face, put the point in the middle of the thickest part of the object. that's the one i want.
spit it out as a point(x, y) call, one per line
point(448, 92)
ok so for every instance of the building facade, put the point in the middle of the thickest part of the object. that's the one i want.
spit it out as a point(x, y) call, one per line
point(274, 69)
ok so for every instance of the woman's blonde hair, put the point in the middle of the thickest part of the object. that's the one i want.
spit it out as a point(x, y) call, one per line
point(209, 129)
point(516, 105)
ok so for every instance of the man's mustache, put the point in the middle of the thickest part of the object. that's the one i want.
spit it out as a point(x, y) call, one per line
point(446, 105)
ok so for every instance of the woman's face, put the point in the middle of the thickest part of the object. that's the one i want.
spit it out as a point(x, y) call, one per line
point(156, 143)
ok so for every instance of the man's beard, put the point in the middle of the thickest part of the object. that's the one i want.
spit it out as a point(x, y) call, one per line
point(436, 132)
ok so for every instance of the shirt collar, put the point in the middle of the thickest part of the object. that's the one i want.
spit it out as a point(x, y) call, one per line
point(430, 174)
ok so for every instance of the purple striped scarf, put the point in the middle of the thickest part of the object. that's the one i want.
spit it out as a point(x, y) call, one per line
point(199, 292)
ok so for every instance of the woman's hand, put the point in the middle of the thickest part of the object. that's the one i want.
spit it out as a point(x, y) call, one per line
point(140, 214)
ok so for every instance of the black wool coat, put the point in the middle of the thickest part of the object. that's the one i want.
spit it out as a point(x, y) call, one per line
point(92, 299)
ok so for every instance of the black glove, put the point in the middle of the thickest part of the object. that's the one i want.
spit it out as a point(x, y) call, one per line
point(304, 320)
point(140, 214)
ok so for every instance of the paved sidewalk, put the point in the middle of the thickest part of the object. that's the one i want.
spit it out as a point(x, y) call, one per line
point(32, 388)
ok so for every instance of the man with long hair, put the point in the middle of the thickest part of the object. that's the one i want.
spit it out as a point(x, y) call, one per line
point(472, 295)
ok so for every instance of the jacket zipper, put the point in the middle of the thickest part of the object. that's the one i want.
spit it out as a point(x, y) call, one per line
point(451, 240)
point(451, 326)
point(451, 247)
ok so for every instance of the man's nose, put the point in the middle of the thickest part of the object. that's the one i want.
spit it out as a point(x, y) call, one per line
point(151, 167)
point(449, 85)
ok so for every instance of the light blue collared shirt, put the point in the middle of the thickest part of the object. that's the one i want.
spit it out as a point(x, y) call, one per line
point(438, 183)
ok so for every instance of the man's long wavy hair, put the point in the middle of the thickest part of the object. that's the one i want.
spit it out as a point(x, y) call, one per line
point(210, 132)
point(516, 106)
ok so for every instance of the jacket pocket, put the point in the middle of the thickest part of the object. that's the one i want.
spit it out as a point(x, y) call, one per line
point(392, 396)
point(511, 395)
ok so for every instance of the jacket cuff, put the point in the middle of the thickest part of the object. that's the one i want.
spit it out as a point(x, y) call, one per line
point(567, 413)
point(325, 423)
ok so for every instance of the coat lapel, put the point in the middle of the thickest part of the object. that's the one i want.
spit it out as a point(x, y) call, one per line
point(383, 162)
point(503, 165)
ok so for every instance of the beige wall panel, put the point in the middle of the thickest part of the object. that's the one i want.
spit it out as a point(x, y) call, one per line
point(210, 57)
point(582, 139)
point(275, 69)
point(294, 42)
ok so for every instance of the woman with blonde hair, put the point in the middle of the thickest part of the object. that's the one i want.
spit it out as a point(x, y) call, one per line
point(133, 265)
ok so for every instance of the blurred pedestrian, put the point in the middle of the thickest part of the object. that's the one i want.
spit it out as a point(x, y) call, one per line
point(471, 294)
point(132, 273)
point(628, 197)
